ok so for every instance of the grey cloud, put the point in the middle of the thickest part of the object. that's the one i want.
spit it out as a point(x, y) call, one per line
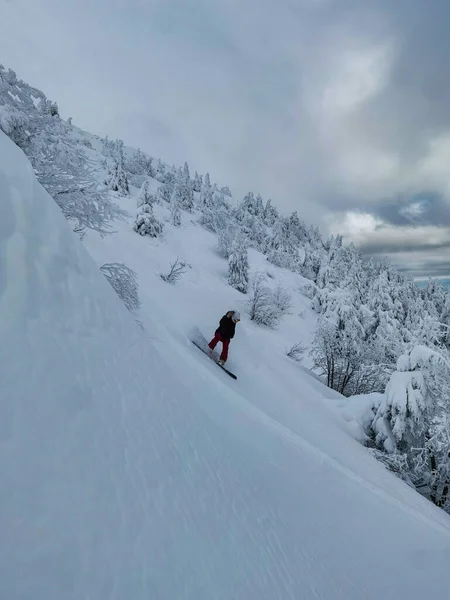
point(240, 89)
point(426, 209)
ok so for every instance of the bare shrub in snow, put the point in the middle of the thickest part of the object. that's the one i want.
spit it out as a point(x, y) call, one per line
point(177, 269)
point(124, 281)
point(296, 352)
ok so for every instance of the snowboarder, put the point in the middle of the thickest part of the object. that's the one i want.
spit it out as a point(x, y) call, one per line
point(224, 333)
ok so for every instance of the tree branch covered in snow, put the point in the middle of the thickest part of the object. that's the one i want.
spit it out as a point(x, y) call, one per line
point(124, 281)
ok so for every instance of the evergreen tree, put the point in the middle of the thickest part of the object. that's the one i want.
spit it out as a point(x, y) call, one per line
point(146, 223)
point(175, 201)
point(225, 239)
point(238, 265)
point(184, 189)
point(197, 183)
point(270, 214)
point(145, 197)
point(206, 193)
point(165, 191)
point(118, 181)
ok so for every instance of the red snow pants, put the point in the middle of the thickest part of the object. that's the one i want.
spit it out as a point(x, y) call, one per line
point(218, 337)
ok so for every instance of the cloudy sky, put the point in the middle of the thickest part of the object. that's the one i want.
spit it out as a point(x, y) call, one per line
point(339, 109)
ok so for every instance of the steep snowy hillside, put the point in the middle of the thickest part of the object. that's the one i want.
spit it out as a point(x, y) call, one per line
point(132, 467)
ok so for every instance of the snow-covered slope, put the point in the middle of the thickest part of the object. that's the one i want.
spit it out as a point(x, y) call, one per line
point(133, 468)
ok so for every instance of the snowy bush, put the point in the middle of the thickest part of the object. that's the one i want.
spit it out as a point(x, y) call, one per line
point(124, 281)
point(296, 352)
point(263, 308)
point(177, 269)
point(282, 300)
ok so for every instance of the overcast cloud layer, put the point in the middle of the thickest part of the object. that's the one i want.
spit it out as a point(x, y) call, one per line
point(336, 108)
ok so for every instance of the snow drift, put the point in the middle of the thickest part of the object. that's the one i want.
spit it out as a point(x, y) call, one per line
point(125, 475)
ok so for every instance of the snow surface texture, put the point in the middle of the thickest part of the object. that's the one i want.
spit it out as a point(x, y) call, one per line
point(133, 468)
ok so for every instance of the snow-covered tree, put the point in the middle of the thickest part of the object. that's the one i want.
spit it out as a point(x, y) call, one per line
point(267, 307)
point(118, 177)
point(145, 197)
point(146, 223)
point(139, 164)
point(282, 300)
point(225, 239)
point(183, 189)
point(270, 215)
point(165, 191)
point(57, 157)
point(197, 183)
point(175, 201)
point(413, 420)
point(238, 265)
point(206, 193)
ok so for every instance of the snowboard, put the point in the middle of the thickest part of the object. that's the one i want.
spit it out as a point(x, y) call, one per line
point(213, 359)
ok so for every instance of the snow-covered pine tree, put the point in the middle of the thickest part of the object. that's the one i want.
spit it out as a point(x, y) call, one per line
point(145, 197)
point(197, 183)
point(238, 265)
point(225, 239)
point(118, 179)
point(186, 192)
point(146, 222)
point(282, 248)
point(270, 214)
point(175, 215)
point(165, 191)
point(413, 420)
point(175, 201)
point(206, 193)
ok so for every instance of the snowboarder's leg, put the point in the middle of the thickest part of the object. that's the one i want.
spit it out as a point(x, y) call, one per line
point(224, 354)
point(216, 339)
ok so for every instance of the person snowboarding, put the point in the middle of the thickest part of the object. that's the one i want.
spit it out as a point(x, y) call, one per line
point(224, 333)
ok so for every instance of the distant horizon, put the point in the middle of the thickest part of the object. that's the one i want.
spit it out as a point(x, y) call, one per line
point(422, 281)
